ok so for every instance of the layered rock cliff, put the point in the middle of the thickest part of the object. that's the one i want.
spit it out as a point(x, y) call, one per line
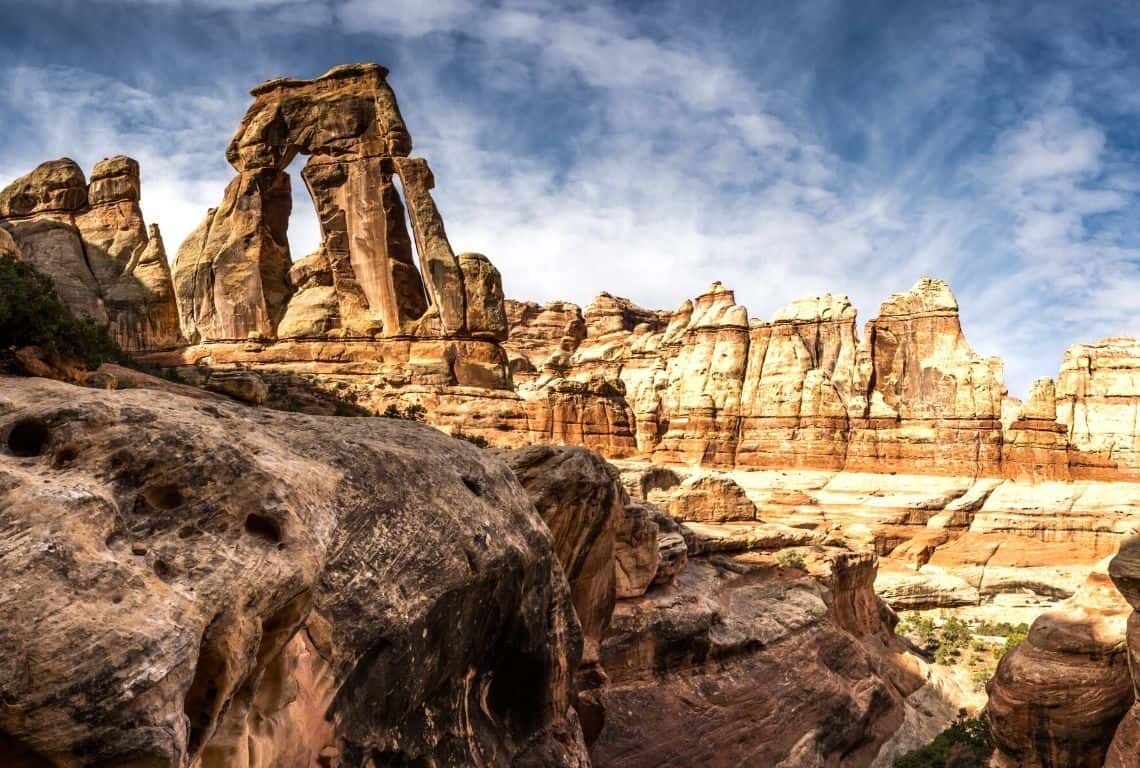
point(707, 386)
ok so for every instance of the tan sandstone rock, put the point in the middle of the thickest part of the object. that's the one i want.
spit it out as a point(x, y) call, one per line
point(710, 499)
point(193, 582)
point(1057, 698)
point(94, 245)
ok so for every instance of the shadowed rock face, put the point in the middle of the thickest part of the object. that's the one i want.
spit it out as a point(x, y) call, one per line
point(745, 664)
point(189, 581)
point(1125, 572)
point(92, 242)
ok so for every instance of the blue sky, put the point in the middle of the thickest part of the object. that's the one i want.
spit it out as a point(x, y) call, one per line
point(649, 148)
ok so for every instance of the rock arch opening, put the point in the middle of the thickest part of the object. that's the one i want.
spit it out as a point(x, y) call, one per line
point(376, 219)
point(304, 232)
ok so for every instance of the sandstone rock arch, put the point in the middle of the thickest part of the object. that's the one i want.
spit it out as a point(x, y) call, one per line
point(234, 276)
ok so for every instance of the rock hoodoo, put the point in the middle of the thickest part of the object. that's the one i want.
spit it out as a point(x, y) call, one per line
point(234, 276)
point(91, 240)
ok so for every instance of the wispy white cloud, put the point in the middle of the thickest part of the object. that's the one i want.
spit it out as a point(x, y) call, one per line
point(585, 147)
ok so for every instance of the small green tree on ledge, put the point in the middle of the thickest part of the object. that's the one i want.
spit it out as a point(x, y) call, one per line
point(33, 315)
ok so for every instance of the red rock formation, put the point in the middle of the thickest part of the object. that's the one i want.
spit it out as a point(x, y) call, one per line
point(1057, 698)
point(92, 242)
point(363, 282)
point(1098, 401)
point(1125, 572)
point(684, 661)
point(190, 581)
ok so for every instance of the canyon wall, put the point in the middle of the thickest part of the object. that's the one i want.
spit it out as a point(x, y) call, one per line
point(708, 386)
point(384, 312)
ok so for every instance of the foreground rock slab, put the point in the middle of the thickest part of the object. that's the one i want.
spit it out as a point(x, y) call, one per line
point(192, 582)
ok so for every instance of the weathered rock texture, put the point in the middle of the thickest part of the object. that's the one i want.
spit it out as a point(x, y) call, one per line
point(191, 582)
point(686, 661)
point(91, 240)
point(1057, 698)
point(692, 627)
point(706, 385)
point(1124, 750)
point(233, 275)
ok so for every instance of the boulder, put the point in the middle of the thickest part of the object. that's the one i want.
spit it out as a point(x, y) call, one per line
point(636, 550)
point(710, 499)
point(189, 581)
point(57, 186)
point(1057, 698)
point(245, 386)
point(483, 291)
point(581, 502)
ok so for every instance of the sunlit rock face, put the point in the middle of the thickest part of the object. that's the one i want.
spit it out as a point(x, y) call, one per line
point(709, 387)
point(91, 240)
point(234, 277)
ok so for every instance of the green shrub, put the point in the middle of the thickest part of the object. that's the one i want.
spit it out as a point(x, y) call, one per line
point(792, 560)
point(966, 743)
point(922, 626)
point(953, 636)
point(476, 440)
point(32, 314)
point(1016, 637)
point(414, 412)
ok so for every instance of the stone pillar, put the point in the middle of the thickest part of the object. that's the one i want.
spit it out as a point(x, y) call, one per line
point(442, 275)
point(231, 273)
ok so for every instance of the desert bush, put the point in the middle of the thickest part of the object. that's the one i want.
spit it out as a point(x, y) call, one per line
point(1015, 638)
point(792, 560)
point(476, 440)
point(414, 412)
point(965, 744)
point(33, 315)
point(953, 636)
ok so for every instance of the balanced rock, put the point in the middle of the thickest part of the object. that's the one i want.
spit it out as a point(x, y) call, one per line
point(93, 243)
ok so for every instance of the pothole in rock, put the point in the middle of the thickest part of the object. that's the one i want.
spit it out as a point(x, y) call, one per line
point(28, 437)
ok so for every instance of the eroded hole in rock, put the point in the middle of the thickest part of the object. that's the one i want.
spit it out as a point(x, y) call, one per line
point(473, 484)
point(28, 437)
point(163, 570)
point(65, 456)
point(263, 527)
point(163, 496)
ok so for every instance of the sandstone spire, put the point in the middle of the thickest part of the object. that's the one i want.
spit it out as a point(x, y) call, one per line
point(233, 275)
point(93, 243)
